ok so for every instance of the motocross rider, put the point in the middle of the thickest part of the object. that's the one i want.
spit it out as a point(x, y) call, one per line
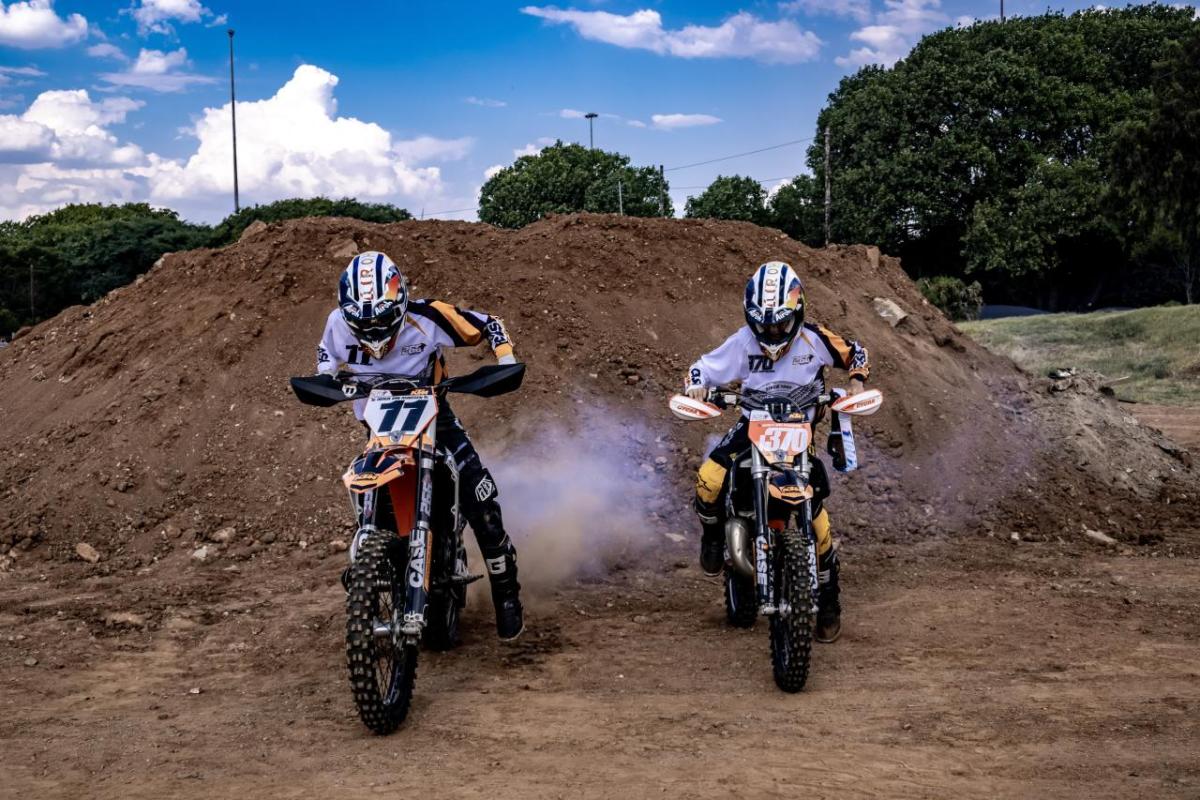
point(377, 328)
point(778, 352)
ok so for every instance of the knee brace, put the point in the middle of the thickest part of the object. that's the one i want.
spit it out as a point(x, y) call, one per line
point(710, 481)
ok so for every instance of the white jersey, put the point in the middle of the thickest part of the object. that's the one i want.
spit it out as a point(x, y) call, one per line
point(801, 366)
point(429, 327)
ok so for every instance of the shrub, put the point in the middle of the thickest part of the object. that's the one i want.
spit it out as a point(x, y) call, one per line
point(957, 300)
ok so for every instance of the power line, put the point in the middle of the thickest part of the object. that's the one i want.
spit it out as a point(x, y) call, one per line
point(763, 181)
point(739, 155)
point(450, 211)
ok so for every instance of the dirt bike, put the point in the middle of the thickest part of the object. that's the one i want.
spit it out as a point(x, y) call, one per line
point(408, 575)
point(770, 544)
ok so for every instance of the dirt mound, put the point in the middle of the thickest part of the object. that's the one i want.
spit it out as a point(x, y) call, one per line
point(159, 418)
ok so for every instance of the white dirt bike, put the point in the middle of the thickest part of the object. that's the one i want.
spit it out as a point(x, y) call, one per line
point(771, 548)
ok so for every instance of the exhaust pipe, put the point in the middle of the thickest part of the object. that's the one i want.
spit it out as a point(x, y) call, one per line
point(739, 540)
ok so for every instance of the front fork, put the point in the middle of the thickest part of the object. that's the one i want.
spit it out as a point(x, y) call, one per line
point(420, 553)
point(765, 543)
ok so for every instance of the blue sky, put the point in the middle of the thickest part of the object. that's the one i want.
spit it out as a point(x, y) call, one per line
point(415, 102)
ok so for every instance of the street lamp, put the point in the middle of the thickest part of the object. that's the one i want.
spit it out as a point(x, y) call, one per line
point(233, 117)
point(591, 115)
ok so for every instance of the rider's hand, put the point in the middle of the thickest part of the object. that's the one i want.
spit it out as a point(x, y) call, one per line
point(697, 393)
point(856, 386)
point(505, 360)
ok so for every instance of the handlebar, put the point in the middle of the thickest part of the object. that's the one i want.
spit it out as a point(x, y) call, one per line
point(755, 401)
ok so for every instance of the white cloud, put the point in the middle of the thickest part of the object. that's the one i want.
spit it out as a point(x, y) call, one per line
point(570, 113)
point(67, 128)
point(106, 50)
point(533, 148)
point(156, 70)
point(742, 35)
point(155, 16)
point(34, 24)
point(429, 148)
point(292, 144)
point(855, 9)
point(635, 123)
point(27, 72)
point(491, 171)
point(486, 102)
point(894, 32)
point(670, 122)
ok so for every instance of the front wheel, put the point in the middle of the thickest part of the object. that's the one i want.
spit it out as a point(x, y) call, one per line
point(382, 671)
point(792, 626)
point(741, 598)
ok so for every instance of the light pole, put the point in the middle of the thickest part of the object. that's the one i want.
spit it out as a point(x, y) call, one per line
point(591, 115)
point(233, 117)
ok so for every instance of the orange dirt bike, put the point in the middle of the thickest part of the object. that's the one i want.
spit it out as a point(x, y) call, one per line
point(408, 576)
point(770, 545)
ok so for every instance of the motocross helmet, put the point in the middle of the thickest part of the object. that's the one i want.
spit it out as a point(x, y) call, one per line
point(774, 307)
point(373, 298)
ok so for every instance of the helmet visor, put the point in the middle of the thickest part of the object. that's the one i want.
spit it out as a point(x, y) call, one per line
point(776, 333)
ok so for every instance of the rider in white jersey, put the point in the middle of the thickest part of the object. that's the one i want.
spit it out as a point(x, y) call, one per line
point(376, 328)
point(777, 352)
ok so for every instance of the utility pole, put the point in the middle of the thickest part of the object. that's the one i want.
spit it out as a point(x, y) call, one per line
point(591, 115)
point(1002, 10)
point(828, 196)
point(233, 116)
point(662, 191)
point(620, 199)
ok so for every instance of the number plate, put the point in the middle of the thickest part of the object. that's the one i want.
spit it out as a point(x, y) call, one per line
point(395, 416)
point(780, 441)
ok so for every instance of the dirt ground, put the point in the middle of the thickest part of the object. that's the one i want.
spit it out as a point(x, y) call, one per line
point(171, 536)
point(986, 668)
point(1180, 423)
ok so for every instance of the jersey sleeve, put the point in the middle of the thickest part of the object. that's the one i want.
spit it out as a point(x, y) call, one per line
point(326, 364)
point(722, 366)
point(847, 354)
point(465, 328)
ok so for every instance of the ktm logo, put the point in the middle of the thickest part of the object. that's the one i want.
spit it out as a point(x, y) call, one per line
point(761, 364)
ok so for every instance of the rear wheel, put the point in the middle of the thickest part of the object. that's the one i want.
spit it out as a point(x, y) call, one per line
point(382, 671)
point(792, 627)
point(741, 599)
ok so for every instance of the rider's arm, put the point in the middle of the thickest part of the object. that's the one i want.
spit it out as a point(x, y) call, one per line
point(466, 328)
point(726, 364)
point(326, 363)
point(847, 354)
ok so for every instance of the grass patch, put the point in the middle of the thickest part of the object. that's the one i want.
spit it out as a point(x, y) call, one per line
point(1157, 348)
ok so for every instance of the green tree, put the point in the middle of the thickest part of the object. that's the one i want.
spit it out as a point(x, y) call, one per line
point(976, 153)
point(565, 178)
point(232, 226)
point(798, 209)
point(78, 253)
point(731, 197)
point(1157, 162)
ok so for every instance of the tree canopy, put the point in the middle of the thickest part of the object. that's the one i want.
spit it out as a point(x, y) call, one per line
point(990, 151)
point(731, 197)
point(78, 253)
point(566, 178)
point(230, 228)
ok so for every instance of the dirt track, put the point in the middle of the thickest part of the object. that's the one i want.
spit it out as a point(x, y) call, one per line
point(973, 665)
point(989, 670)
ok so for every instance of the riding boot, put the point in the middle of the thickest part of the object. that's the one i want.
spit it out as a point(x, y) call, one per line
point(829, 609)
point(501, 559)
point(712, 538)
